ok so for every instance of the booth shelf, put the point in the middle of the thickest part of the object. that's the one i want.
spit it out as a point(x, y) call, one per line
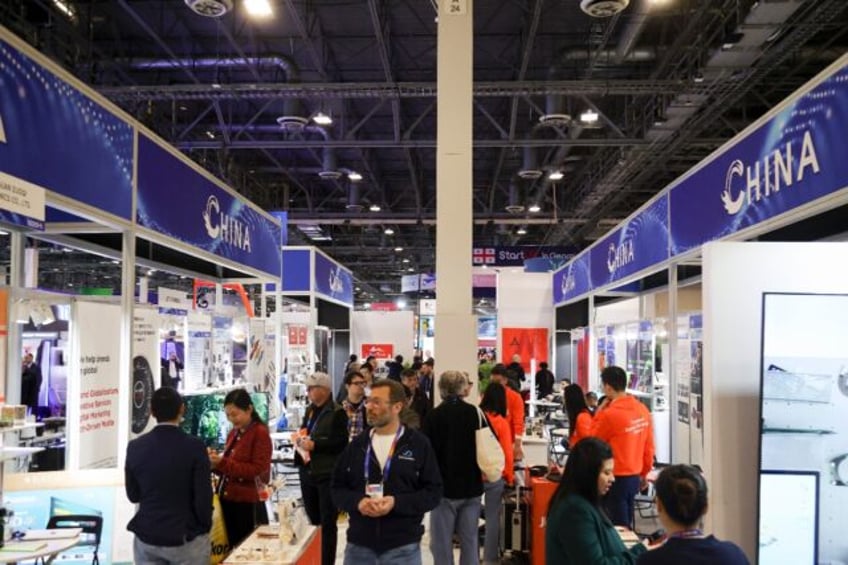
point(8, 453)
point(21, 427)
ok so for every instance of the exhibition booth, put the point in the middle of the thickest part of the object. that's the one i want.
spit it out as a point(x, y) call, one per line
point(730, 325)
point(78, 173)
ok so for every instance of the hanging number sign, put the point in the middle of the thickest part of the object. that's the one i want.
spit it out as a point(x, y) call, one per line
point(455, 7)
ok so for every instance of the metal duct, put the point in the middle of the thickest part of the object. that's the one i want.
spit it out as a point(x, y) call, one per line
point(635, 25)
point(294, 117)
point(289, 66)
point(554, 115)
point(329, 166)
point(514, 205)
point(353, 204)
point(530, 169)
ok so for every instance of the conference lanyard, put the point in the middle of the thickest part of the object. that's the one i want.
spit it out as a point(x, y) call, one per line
point(388, 459)
point(313, 421)
point(686, 534)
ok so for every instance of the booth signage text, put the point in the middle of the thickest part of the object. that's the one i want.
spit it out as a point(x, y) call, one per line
point(573, 280)
point(792, 159)
point(177, 201)
point(332, 280)
point(59, 139)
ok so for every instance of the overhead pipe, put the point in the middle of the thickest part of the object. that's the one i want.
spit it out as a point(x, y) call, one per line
point(636, 24)
point(515, 205)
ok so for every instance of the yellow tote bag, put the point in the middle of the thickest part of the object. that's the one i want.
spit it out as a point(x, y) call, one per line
point(218, 534)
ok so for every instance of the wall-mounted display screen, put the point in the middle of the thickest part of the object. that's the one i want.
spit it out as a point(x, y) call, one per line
point(788, 517)
point(205, 417)
point(804, 429)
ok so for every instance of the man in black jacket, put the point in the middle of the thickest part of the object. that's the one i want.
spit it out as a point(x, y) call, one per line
point(167, 474)
point(451, 428)
point(30, 382)
point(386, 481)
point(420, 403)
point(318, 444)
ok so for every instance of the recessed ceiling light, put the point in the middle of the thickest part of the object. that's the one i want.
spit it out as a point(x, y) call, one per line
point(258, 8)
point(555, 175)
point(521, 231)
point(354, 176)
point(389, 231)
point(322, 119)
point(534, 208)
point(375, 208)
point(411, 269)
point(210, 135)
point(405, 261)
point(398, 249)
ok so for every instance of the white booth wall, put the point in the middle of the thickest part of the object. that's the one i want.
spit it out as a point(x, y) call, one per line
point(735, 276)
point(525, 300)
point(395, 328)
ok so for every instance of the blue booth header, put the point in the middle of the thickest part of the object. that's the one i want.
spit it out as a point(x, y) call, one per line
point(790, 160)
point(179, 202)
point(59, 139)
point(332, 280)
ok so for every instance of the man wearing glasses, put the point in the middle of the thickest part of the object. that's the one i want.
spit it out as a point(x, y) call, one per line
point(354, 404)
point(322, 438)
point(386, 480)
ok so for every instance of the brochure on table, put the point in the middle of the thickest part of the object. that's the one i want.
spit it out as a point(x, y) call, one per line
point(804, 415)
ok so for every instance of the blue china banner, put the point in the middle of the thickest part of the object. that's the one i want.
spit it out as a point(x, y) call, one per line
point(637, 244)
point(55, 137)
point(296, 270)
point(573, 280)
point(178, 202)
point(333, 280)
point(792, 159)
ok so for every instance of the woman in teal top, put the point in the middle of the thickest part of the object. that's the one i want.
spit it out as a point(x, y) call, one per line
point(578, 532)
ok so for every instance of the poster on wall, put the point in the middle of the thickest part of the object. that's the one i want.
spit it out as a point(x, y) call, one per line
point(644, 376)
point(222, 351)
point(527, 343)
point(4, 332)
point(380, 351)
point(99, 336)
point(146, 368)
point(683, 373)
point(804, 407)
point(256, 355)
point(632, 349)
point(198, 359)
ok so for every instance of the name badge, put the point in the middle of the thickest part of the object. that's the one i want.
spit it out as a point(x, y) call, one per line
point(374, 490)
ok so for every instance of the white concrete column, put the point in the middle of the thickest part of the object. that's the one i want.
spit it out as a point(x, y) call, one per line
point(456, 328)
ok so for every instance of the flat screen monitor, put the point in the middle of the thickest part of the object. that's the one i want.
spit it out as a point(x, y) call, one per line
point(789, 517)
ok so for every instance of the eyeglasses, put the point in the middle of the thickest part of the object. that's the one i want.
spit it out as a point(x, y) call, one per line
point(358, 383)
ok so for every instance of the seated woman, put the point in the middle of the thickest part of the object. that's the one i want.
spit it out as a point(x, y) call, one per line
point(579, 416)
point(681, 503)
point(578, 532)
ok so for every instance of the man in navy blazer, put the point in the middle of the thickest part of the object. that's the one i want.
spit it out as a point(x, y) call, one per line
point(168, 475)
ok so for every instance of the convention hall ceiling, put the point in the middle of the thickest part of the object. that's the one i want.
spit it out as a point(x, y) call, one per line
point(618, 105)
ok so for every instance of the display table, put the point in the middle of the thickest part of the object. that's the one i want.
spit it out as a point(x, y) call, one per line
point(49, 551)
point(263, 547)
point(535, 450)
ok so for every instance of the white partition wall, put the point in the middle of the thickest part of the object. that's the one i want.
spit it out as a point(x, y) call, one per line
point(391, 328)
point(735, 276)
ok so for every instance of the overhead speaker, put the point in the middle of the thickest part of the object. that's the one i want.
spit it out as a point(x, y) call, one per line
point(603, 8)
point(294, 124)
point(514, 208)
point(210, 8)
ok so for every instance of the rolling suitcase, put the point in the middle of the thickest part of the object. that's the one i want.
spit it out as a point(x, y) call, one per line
point(514, 528)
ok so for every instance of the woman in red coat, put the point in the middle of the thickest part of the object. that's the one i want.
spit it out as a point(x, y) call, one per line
point(246, 457)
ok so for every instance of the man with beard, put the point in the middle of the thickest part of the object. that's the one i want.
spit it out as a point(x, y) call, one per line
point(386, 480)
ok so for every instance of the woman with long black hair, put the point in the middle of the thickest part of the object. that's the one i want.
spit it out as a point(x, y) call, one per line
point(243, 466)
point(578, 532)
point(579, 416)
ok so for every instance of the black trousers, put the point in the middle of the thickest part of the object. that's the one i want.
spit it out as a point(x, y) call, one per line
point(619, 500)
point(322, 512)
point(241, 518)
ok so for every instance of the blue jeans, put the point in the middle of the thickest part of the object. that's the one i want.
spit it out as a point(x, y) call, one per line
point(403, 555)
point(460, 516)
point(492, 498)
point(619, 500)
point(196, 551)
